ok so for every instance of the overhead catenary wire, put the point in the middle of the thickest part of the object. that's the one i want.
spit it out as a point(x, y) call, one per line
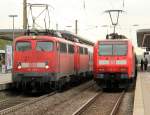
point(84, 4)
point(123, 4)
point(34, 18)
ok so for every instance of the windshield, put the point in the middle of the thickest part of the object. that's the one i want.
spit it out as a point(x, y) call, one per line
point(23, 46)
point(44, 46)
point(120, 49)
point(105, 49)
point(113, 49)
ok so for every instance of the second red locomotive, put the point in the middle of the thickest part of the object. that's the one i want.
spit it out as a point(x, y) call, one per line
point(114, 63)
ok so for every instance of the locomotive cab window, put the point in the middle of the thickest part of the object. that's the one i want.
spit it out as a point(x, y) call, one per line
point(113, 49)
point(44, 46)
point(120, 49)
point(23, 46)
point(105, 49)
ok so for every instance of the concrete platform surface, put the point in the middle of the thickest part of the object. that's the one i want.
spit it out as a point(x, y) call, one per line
point(142, 94)
point(5, 78)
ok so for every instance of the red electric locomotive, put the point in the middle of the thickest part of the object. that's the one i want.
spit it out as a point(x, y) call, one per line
point(49, 60)
point(114, 63)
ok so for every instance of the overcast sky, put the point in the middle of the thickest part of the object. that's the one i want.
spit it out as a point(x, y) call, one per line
point(89, 13)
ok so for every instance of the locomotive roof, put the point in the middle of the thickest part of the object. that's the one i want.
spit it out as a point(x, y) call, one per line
point(46, 38)
point(7, 34)
point(114, 40)
point(115, 36)
point(60, 34)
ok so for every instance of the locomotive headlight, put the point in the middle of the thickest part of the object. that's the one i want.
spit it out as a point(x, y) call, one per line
point(101, 69)
point(46, 66)
point(123, 69)
point(19, 66)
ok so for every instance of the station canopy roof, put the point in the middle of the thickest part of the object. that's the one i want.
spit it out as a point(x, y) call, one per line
point(143, 38)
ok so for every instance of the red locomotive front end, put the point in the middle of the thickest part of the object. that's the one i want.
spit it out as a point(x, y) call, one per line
point(114, 63)
point(34, 60)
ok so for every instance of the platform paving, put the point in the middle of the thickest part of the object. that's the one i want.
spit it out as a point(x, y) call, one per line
point(142, 94)
point(5, 80)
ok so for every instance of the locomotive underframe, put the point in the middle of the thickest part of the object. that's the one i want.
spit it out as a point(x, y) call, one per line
point(40, 81)
point(112, 80)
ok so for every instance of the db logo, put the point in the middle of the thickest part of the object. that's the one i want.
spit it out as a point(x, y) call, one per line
point(112, 62)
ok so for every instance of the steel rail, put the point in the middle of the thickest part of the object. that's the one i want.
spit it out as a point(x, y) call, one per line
point(21, 105)
point(114, 110)
point(87, 104)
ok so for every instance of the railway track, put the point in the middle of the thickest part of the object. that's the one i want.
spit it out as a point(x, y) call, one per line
point(12, 104)
point(116, 106)
point(112, 109)
point(59, 101)
point(86, 105)
point(24, 103)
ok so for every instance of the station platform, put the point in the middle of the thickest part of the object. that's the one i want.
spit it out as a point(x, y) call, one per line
point(5, 80)
point(142, 94)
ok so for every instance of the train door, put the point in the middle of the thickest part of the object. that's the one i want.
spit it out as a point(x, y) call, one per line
point(58, 56)
point(77, 59)
point(2, 61)
point(133, 63)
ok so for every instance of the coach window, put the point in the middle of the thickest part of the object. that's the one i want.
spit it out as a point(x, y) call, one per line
point(70, 48)
point(85, 51)
point(63, 48)
point(44, 46)
point(23, 46)
point(81, 50)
